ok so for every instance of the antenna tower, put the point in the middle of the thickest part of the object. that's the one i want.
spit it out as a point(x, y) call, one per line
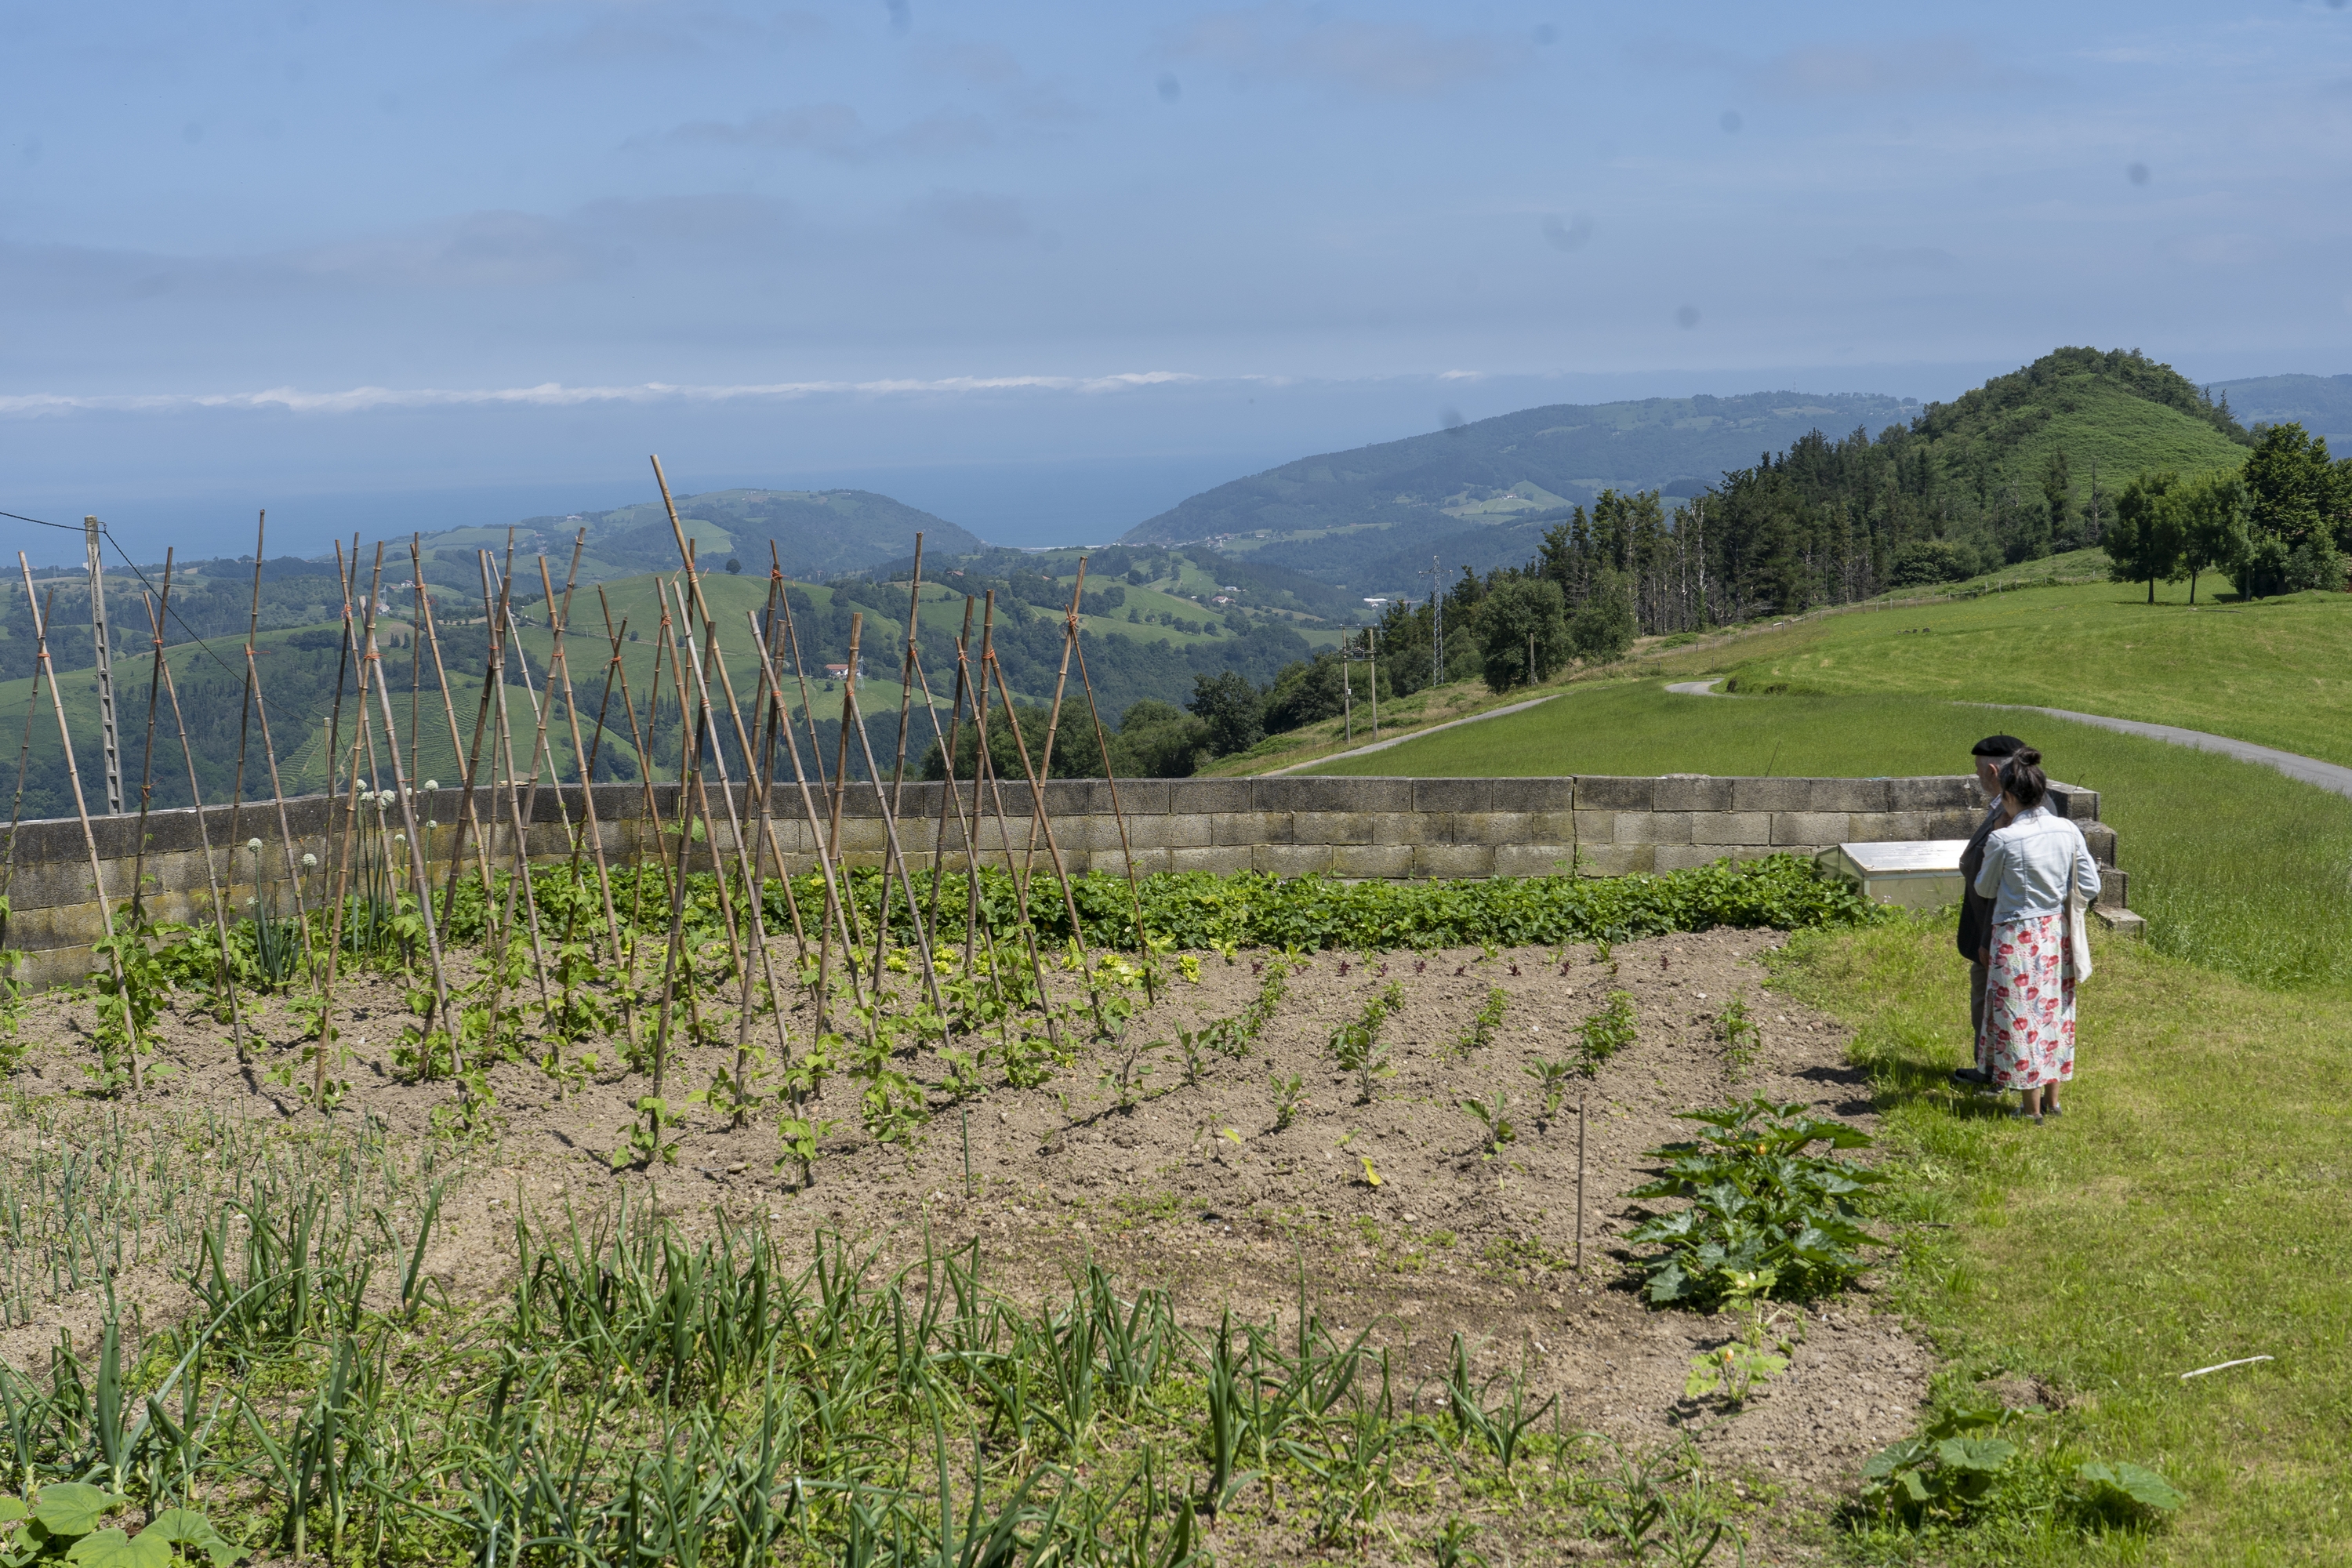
point(90, 529)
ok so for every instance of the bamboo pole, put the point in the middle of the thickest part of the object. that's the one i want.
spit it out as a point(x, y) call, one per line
point(24, 760)
point(1040, 816)
point(82, 810)
point(898, 768)
point(560, 669)
point(1054, 719)
point(469, 811)
point(335, 933)
point(832, 825)
point(155, 613)
point(450, 710)
point(415, 846)
point(895, 856)
point(269, 756)
point(984, 768)
point(948, 795)
point(519, 887)
point(204, 843)
point(1126, 849)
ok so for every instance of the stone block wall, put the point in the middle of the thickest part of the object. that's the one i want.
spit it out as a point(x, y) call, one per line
point(1348, 827)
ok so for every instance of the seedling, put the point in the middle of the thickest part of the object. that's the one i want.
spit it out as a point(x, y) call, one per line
point(1551, 1081)
point(800, 1135)
point(1607, 1032)
point(1126, 1080)
point(1489, 1019)
point(1742, 1040)
point(647, 1140)
point(1493, 1123)
point(1289, 1095)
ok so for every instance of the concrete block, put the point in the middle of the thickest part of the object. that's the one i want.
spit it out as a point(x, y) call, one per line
point(1846, 794)
point(1290, 859)
point(2074, 801)
point(1692, 793)
point(1676, 826)
point(1221, 857)
point(1335, 827)
point(1612, 859)
point(1771, 795)
point(1685, 856)
point(1596, 791)
point(1557, 795)
point(1888, 826)
point(1333, 794)
point(1414, 828)
point(1721, 828)
point(2101, 840)
point(1172, 830)
point(2122, 923)
point(1074, 797)
point(1453, 860)
point(1957, 792)
point(1809, 829)
point(1514, 828)
point(1534, 860)
point(1254, 827)
point(1952, 824)
point(1363, 861)
point(1452, 795)
point(1209, 794)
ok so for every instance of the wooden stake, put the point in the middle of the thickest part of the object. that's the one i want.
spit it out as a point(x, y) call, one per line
point(1580, 1184)
point(205, 842)
point(156, 615)
point(408, 819)
point(559, 669)
point(82, 810)
point(1126, 849)
point(948, 793)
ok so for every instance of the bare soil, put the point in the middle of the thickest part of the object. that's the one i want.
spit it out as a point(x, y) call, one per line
point(1195, 1189)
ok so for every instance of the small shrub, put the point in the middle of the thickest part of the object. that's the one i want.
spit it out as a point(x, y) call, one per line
point(1763, 1216)
point(1489, 1019)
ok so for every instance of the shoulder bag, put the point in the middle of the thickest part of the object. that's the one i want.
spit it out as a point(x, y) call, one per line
point(2078, 935)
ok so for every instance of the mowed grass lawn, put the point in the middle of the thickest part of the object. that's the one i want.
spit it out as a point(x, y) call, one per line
point(2235, 866)
point(2277, 672)
point(2191, 1208)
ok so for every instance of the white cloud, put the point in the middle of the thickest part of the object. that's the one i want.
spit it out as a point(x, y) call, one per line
point(556, 394)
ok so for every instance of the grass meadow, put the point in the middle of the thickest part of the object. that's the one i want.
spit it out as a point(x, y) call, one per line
point(2277, 672)
point(2235, 867)
point(2189, 1209)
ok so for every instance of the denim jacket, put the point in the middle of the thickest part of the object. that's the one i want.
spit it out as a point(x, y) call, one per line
point(2028, 862)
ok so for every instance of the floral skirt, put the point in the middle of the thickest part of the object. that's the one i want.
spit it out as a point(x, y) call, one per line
point(2029, 1017)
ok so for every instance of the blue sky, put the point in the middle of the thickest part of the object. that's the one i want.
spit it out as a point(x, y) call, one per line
point(1046, 268)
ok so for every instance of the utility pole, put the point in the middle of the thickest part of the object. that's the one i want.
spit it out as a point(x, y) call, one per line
point(89, 529)
point(1437, 624)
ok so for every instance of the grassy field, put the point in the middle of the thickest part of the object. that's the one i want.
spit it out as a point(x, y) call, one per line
point(2235, 866)
point(2189, 1209)
point(2277, 672)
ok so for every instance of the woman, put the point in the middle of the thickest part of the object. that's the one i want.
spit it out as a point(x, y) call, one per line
point(2032, 867)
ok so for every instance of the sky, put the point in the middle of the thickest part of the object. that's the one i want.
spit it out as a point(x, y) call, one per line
point(1046, 268)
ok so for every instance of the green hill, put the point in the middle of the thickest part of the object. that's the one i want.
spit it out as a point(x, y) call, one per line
point(817, 533)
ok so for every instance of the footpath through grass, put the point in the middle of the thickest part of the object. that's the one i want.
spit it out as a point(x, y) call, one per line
point(2191, 1208)
point(2235, 866)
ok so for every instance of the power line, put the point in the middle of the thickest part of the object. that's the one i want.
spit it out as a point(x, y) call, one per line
point(108, 535)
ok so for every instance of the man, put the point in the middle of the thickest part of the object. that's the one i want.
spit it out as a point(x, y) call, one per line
point(1976, 913)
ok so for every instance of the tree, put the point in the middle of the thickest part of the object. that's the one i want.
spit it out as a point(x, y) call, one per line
point(1158, 740)
point(1516, 612)
point(2145, 542)
point(1604, 629)
point(2213, 512)
point(1232, 707)
point(2058, 494)
point(2291, 483)
point(734, 567)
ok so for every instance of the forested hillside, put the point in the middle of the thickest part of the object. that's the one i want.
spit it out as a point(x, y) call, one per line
point(1402, 494)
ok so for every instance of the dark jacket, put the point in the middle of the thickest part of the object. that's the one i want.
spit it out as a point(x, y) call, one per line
point(1976, 911)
